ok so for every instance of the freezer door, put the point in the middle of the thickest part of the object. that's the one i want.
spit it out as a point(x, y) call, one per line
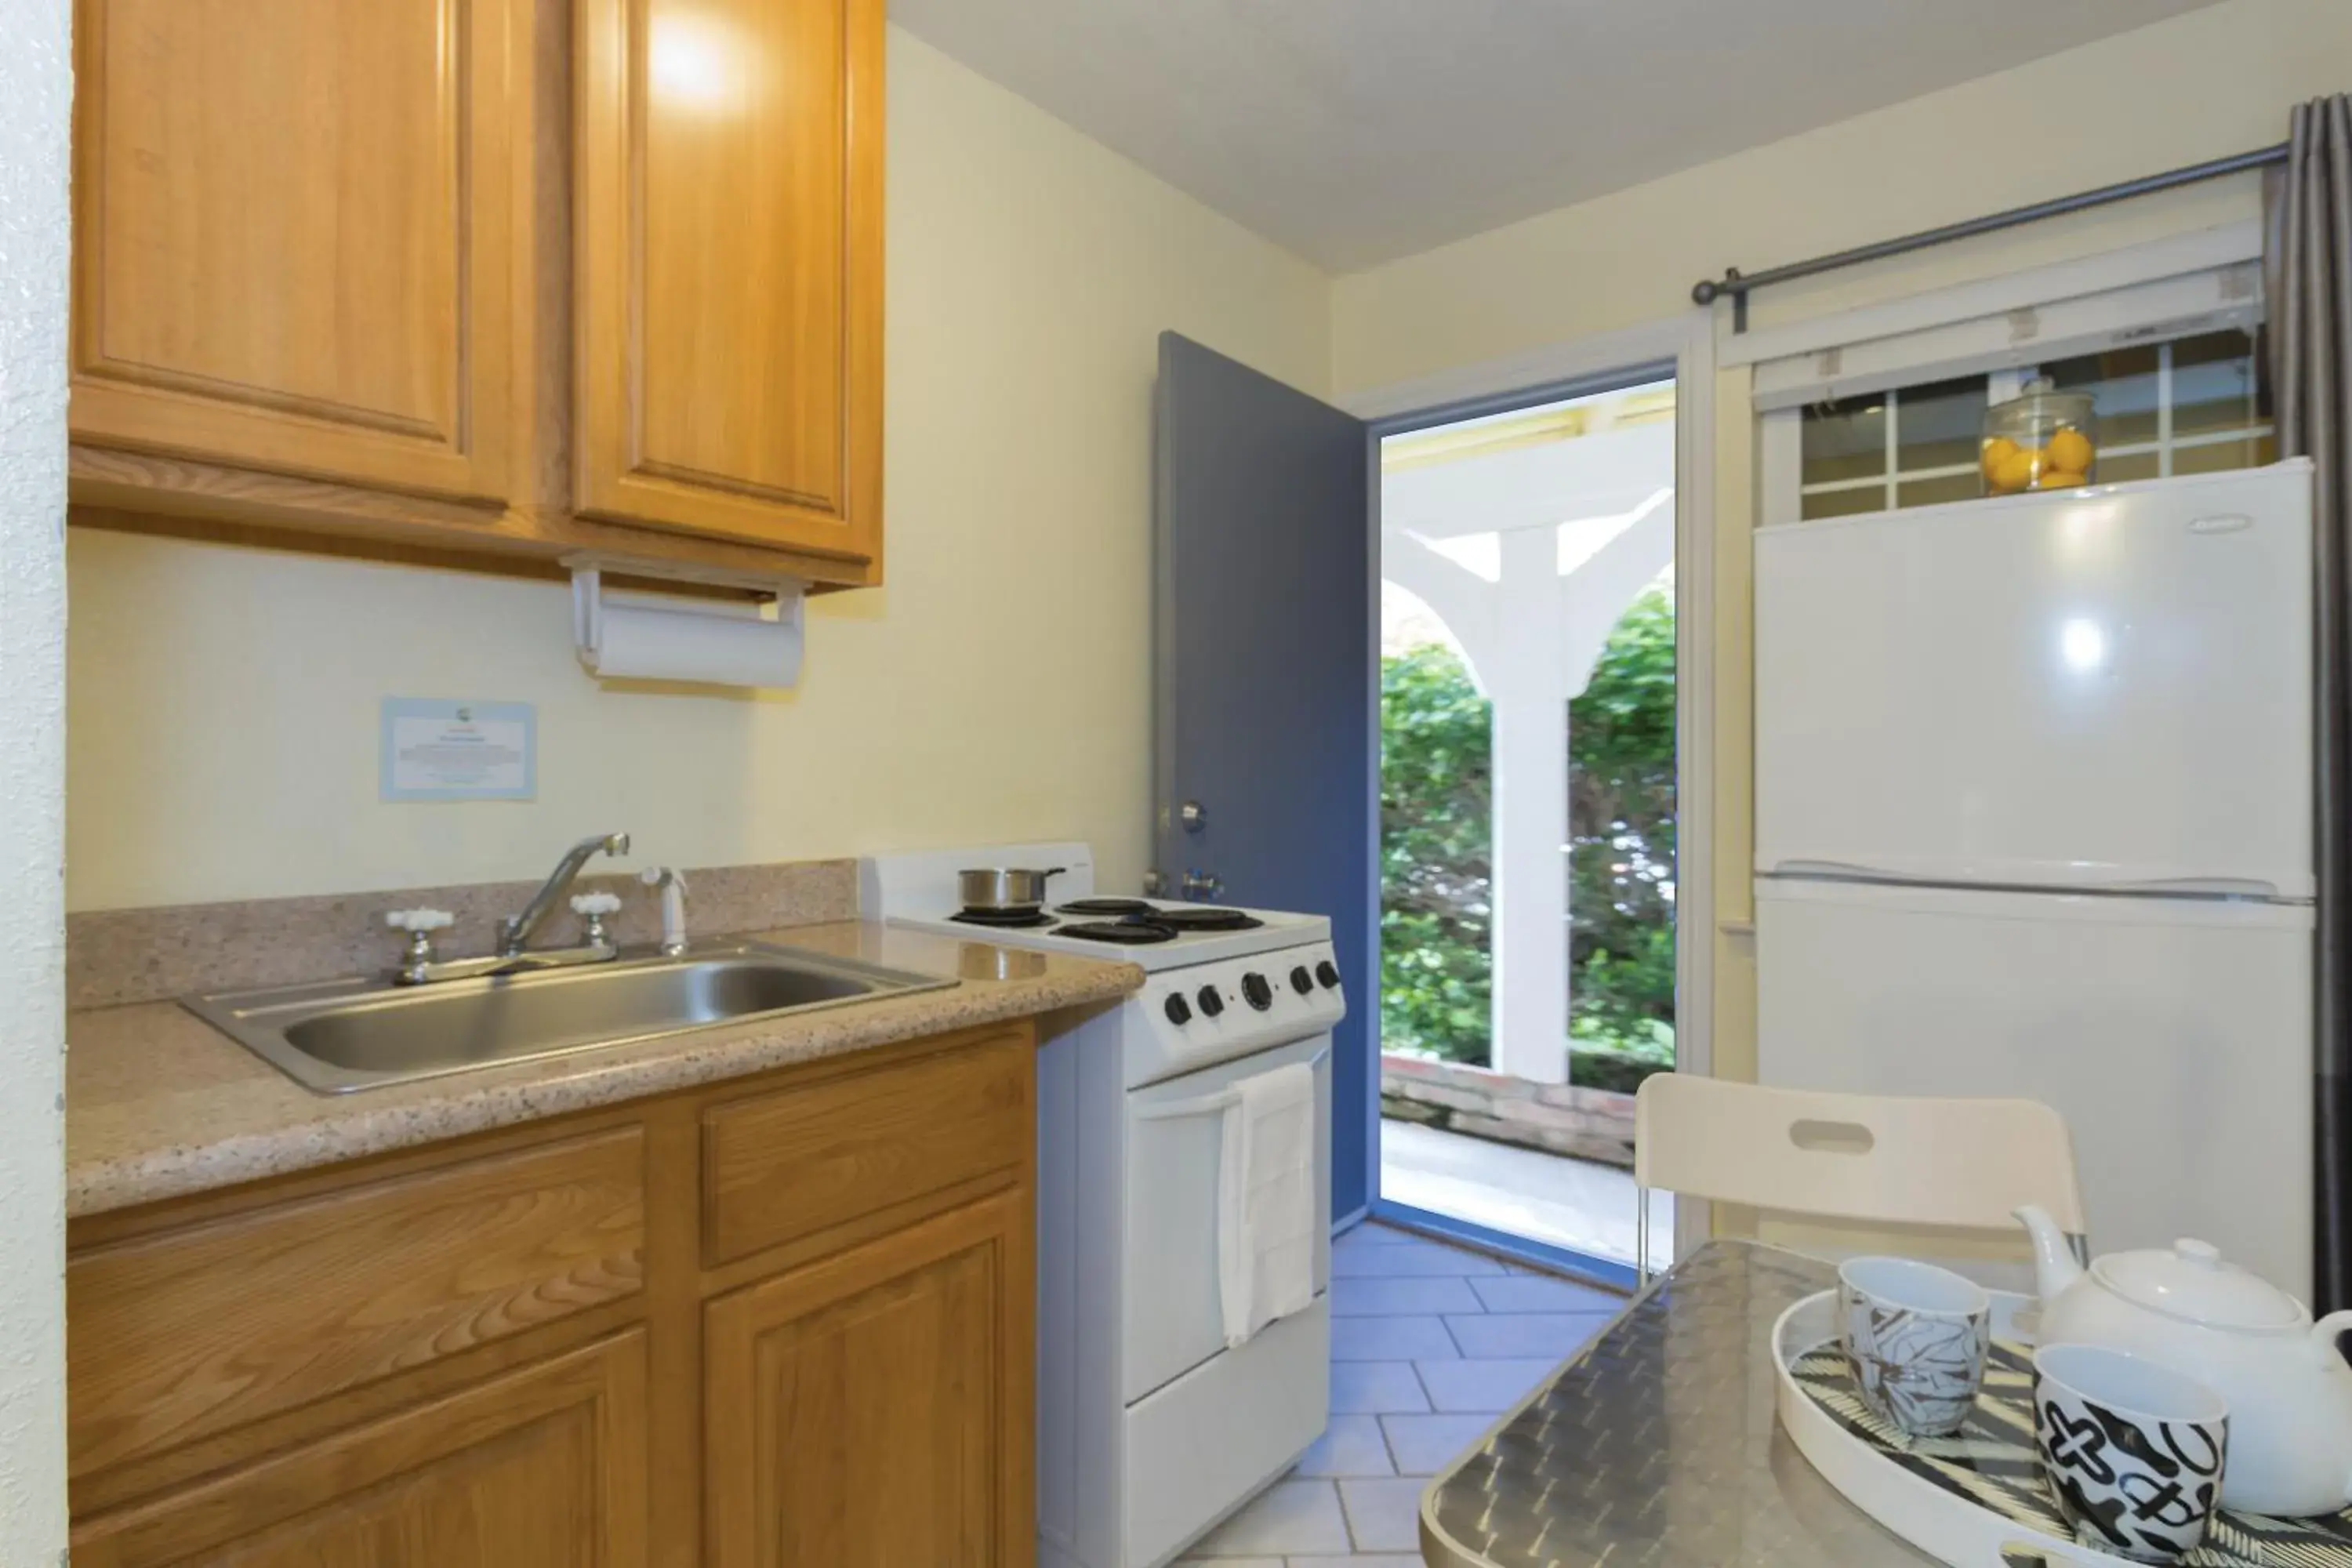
point(2103, 687)
point(2173, 1036)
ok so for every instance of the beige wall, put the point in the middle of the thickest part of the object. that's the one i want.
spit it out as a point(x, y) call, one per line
point(223, 721)
point(2213, 82)
point(222, 736)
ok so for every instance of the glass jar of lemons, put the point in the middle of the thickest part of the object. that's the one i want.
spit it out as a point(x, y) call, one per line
point(2041, 441)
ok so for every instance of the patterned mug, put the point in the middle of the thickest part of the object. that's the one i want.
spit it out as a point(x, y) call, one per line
point(1916, 1336)
point(2133, 1451)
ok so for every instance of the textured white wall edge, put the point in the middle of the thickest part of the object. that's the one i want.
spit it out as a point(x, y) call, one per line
point(36, 95)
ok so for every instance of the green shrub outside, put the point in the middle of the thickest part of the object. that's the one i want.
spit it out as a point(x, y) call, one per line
point(1436, 869)
point(1436, 877)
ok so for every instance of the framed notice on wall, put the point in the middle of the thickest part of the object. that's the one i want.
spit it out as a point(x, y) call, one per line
point(437, 750)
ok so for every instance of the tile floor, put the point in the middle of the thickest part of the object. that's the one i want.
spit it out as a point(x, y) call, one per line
point(1429, 1345)
point(1579, 1205)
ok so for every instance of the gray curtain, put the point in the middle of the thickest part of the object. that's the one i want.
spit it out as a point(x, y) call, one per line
point(2310, 290)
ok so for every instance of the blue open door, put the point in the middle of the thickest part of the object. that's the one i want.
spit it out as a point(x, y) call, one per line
point(1265, 682)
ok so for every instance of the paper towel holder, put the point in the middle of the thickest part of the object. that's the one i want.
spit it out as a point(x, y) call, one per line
point(789, 595)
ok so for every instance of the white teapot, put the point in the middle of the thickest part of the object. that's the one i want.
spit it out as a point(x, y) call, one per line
point(2289, 1393)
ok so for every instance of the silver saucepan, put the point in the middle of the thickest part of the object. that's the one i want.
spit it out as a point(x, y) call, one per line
point(999, 890)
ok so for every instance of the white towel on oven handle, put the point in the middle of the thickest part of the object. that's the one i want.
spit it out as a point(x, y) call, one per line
point(1265, 1201)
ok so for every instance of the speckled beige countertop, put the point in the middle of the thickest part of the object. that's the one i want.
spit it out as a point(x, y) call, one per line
point(159, 1104)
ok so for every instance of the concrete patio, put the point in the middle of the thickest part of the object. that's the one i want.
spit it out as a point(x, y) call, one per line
point(1577, 1204)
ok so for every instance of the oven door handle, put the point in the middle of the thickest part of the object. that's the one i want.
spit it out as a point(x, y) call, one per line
point(1211, 1104)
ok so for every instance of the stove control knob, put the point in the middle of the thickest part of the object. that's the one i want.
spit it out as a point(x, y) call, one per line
point(1211, 1003)
point(1180, 1013)
point(1260, 993)
point(1328, 973)
point(1300, 981)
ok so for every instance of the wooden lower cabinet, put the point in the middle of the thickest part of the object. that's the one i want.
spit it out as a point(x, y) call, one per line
point(516, 1351)
point(874, 1408)
point(543, 1467)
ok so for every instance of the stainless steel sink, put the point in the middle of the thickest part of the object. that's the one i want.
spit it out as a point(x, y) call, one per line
point(344, 1035)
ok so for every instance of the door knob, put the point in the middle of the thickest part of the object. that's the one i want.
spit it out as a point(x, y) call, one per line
point(1192, 815)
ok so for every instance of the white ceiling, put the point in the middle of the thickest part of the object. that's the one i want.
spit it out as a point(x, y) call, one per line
point(1353, 131)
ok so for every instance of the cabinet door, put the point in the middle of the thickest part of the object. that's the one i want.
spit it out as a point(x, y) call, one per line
point(873, 1411)
point(543, 1468)
point(292, 235)
point(730, 269)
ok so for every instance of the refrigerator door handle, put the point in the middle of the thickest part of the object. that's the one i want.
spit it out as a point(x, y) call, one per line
point(1835, 870)
point(2204, 887)
point(2248, 888)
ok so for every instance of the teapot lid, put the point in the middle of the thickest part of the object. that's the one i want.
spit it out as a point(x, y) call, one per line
point(2190, 1281)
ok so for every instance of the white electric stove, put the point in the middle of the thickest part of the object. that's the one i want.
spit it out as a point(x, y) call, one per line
point(1151, 1429)
point(919, 891)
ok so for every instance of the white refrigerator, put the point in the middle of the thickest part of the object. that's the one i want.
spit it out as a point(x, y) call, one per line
point(2033, 801)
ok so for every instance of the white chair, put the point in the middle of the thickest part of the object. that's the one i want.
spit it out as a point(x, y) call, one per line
point(1866, 1159)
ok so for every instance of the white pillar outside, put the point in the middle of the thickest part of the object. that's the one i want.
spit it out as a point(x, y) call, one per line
point(1529, 685)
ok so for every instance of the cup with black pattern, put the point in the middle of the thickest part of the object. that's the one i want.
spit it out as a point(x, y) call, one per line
point(2133, 1451)
point(1916, 1336)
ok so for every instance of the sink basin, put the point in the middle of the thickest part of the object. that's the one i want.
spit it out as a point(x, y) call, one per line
point(354, 1034)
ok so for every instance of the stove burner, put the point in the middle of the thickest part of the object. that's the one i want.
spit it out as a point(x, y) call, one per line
point(1191, 917)
point(1004, 920)
point(1105, 906)
point(1127, 933)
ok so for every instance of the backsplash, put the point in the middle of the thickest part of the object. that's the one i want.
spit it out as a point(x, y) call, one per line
point(119, 956)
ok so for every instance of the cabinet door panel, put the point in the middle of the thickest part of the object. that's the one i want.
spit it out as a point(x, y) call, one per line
point(731, 268)
point(292, 235)
point(791, 1163)
point(190, 1333)
point(544, 1468)
point(874, 1409)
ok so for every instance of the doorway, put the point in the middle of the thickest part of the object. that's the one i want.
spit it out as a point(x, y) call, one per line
point(1528, 832)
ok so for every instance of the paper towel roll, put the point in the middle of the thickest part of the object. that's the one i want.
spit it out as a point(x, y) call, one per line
point(639, 643)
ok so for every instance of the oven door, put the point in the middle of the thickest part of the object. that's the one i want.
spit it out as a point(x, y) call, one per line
point(1175, 1131)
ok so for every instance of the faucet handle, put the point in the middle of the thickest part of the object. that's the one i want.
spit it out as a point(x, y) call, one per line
point(416, 963)
point(591, 909)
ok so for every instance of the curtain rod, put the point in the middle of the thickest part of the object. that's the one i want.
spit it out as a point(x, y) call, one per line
point(1739, 285)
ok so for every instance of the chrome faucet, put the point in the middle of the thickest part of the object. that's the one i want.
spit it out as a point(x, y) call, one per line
point(514, 933)
point(420, 966)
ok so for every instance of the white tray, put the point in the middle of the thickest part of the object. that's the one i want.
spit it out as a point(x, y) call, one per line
point(1986, 1497)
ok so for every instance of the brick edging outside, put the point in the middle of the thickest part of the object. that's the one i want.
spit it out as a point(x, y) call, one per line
point(1594, 1124)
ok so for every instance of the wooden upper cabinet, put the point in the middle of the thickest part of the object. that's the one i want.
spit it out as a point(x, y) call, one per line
point(293, 236)
point(730, 233)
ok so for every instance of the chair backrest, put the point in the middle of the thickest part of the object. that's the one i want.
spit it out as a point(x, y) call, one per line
point(1959, 1163)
